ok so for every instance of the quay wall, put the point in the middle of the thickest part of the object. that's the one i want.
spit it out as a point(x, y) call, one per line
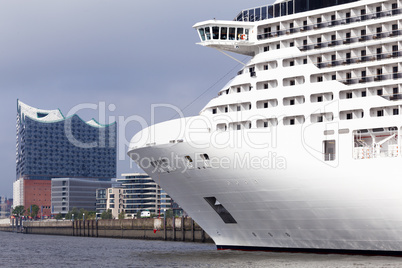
point(170, 229)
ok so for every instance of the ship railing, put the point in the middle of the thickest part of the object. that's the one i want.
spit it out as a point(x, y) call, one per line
point(392, 97)
point(371, 78)
point(320, 25)
point(361, 59)
point(351, 40)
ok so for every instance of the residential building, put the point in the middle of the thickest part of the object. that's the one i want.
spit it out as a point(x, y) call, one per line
point(50, 145)
point(69, 193)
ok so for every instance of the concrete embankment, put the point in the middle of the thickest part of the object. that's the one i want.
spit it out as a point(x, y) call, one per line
point(172, 229)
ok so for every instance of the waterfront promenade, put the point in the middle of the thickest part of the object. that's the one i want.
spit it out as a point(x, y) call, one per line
point(170, 229)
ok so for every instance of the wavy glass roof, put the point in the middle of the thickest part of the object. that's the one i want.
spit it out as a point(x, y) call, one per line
point(48, 116)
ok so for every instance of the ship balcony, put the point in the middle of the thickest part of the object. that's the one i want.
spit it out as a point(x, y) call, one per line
point(330, 23)
point(365, 58)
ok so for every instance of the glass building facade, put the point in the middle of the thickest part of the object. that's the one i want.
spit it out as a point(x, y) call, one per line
point(68, 147)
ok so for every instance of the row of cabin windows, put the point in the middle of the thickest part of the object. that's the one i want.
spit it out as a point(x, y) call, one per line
point(301, 119)
point(277, 31)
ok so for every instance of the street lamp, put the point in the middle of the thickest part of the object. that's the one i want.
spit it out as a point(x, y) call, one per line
point(72, 217)
point(83, 216)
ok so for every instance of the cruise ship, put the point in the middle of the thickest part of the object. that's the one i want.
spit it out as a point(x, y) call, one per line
point(299, 152)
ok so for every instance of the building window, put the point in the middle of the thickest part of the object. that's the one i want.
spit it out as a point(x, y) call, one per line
point(111, 206)
point(111, 196)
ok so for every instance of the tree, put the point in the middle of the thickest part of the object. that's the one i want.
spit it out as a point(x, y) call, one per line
point(59, 216)
point(107, 215)
point(91, 215)
point(18, 211)
point(122, 215)
point(35, 210)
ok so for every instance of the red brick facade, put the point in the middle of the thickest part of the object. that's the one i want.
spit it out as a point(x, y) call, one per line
point(38, 192)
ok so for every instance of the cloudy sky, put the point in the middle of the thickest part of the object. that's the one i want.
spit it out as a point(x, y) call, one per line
point(127, 54)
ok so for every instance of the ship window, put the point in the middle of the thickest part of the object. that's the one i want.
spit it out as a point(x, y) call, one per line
point(292, 102)
point(304, 61)
point(265, 67)
point(232, 33)
point(278, 46)
point(265, 86)
point(320, 119)
point(349, 116)
point(292, 63)
point(319, 79)
point(220, 209)
point(238, 108)
point(349, 95)
point(292, 82)
point(379, 92)
point(395, 111)
point(202, 33)
point(239, 33)
point(238, 127)
point(238, 90)
point(226, 109)
point(266, 48)
point(291, 122)
point(329, 150)
point(319, 99)
point(292, 44)
point(208, 33)
point(265, 104)
point(364, 93)
point(215, 32)
point(214, 111)
point(334, 77)
point(265, 124)
point(224, 33)
point(380, 113)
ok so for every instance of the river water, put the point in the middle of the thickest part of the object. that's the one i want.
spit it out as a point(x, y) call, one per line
point(22, 250)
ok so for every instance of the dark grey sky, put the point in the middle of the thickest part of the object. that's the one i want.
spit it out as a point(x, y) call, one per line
point(130, 53)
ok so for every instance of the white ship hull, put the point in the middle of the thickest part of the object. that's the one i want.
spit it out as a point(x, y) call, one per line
point(290, 200)
point(300, 151)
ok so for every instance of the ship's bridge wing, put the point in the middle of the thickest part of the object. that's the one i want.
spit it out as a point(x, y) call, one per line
point(237, 37)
